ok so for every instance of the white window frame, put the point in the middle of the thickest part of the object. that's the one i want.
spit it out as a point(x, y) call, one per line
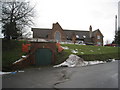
point(98, 37)
point(99, 43)
point(56, 37)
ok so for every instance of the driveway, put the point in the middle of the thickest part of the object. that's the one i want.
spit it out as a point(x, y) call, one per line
point(96, 76)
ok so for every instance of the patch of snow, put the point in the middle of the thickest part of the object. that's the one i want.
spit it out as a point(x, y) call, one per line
point(18, 61)
point(98, 48)
point(42, 40)
point(93, 62)
point(70, 62)
point(1, 73)
point(110, 60)
point(82, 52)
point(113, 60)
point(74, 51)
point(23, 56)
point(66, 43)
point(21, 71)
point(91, 51)
point(65, 47)
point(38, 40)
point(63, 43)
point(101, 62)
point(74, 60)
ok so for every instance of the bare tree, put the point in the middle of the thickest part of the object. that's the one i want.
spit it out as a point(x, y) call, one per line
point(26, 35)
point(15, 17)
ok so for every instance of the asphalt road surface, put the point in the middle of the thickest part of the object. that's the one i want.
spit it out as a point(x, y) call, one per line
point(96, 76)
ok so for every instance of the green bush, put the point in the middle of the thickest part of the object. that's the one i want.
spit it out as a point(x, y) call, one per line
point(61, 56)
point(100, 57)
point(11, 51)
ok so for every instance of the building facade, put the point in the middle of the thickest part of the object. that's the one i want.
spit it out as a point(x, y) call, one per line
point(62, 35)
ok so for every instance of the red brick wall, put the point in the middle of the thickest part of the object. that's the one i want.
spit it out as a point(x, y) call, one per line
point(95, 39)
point(36, 45)
point(57, 28)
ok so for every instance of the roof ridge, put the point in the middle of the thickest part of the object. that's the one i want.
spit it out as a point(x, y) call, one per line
point(43, 28)
point(76, 30)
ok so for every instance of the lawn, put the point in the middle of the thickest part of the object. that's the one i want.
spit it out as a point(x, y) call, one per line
point(88, 49)
point(88, 52)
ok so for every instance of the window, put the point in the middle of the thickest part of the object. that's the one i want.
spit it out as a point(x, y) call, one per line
point(98, 43)
point(77, 36)
point(57, 36)
point(98, 36)
point(84, 36)
point(67, 37)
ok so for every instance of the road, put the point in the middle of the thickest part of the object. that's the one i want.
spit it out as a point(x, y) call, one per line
point(96, 76)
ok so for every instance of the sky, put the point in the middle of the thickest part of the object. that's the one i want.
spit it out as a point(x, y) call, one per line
point(119, 15)
point(77, 15)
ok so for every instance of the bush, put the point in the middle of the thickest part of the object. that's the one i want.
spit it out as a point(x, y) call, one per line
point(61, 56)
point(11, 51)
point(100, 57)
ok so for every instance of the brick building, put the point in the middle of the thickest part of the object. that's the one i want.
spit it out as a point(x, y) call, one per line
point(62, 35)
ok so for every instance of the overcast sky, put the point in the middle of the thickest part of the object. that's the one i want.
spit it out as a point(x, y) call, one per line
point(119, 15)
point(77, 15)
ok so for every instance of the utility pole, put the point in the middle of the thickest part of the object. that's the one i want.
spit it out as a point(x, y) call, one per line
point(115, 24)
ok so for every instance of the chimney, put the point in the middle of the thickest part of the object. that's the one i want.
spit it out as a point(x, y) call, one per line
point(55, 25)
point(90, 31)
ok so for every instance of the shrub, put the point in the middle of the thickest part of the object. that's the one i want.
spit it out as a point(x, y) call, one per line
point(11, 51)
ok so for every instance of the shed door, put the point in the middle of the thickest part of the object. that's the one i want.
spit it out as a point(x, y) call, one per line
point(43, 57)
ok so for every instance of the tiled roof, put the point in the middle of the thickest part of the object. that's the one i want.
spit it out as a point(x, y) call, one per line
point(40, 33)
point(79, 33)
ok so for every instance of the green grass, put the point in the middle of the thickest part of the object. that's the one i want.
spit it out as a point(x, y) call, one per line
point(11, 51)
point(88, 52)
point(87, 49)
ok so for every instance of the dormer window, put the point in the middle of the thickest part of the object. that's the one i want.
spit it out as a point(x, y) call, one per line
point(84, 36)
point(77, 36)
point(98, 36)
